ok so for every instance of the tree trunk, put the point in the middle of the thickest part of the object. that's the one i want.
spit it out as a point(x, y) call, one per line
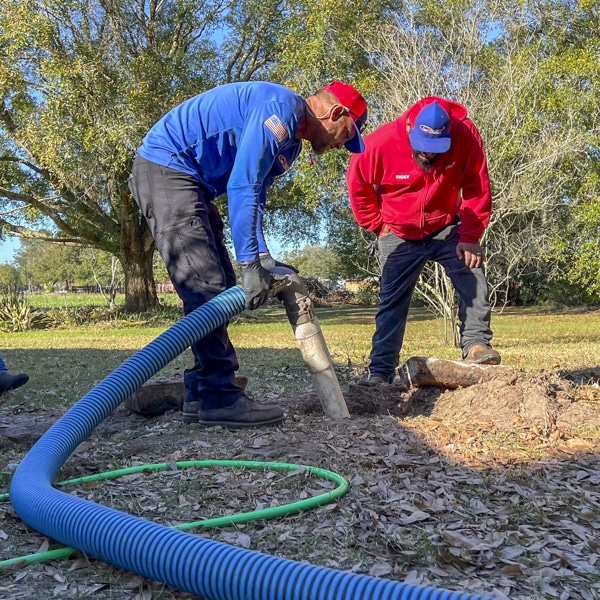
point(137, 252)
point(140, 291)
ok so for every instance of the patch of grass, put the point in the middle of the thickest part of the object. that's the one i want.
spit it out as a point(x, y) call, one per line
point(71, 300)
point(65, 364)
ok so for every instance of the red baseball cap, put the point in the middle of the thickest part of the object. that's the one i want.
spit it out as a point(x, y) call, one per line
point(355, 104)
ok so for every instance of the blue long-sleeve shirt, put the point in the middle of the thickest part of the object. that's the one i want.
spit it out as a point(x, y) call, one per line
point(235, 138)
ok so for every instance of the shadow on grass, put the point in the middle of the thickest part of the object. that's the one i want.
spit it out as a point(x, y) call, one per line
point(346, 315)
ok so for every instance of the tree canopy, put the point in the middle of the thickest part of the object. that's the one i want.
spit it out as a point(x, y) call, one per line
point(528, 74)
point(81, 81)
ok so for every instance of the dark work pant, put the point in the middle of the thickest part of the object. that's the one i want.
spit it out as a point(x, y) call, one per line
point(188, 232)
point(401, 264)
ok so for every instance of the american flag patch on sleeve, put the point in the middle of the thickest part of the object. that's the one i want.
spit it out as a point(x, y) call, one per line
point(277, 127)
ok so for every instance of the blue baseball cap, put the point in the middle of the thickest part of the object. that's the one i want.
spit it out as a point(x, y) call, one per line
point(431, 131)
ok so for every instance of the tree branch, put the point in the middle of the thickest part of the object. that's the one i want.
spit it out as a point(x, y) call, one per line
point(26, 163)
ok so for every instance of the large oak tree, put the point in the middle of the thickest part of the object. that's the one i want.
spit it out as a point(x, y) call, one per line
point(81, 81)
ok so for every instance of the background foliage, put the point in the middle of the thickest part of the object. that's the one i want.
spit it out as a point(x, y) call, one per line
point(81, 81)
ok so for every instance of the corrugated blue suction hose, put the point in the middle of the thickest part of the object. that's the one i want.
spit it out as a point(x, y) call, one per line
point(192, 564)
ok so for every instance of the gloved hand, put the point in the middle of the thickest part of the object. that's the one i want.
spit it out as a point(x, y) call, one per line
point(256, 281)
point(268, 262)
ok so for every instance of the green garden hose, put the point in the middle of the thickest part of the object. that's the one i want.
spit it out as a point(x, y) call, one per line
point(235, 519)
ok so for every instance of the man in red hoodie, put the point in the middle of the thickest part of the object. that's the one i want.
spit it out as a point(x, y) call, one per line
point(422, 187)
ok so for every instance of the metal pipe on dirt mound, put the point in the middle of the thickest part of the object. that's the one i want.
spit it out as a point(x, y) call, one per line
point(300, 313)
point(208, 569)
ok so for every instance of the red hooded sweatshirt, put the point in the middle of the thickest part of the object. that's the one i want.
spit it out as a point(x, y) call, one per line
point(387, 187)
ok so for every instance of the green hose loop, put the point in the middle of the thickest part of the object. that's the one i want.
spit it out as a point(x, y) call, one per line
point(235, 519)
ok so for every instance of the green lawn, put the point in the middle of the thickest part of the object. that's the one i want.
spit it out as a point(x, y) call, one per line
point(56, 300)
point(65, 364)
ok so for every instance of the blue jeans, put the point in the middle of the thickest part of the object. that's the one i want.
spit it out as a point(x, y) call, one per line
point(3, 368)
point(401, 264)
point(188, 232)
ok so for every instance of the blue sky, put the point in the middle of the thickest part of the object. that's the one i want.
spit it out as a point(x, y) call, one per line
point(7, 249)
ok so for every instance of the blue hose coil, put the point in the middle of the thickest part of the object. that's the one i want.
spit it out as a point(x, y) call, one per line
point(182, 561)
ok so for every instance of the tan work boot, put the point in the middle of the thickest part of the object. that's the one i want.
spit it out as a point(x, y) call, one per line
point(371, 381)
point(482, 355)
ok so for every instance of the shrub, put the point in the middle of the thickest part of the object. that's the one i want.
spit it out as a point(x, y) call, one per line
point(368, 295)
point(17, 315)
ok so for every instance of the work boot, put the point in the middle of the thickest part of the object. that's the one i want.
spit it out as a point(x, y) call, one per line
point(482, 355)
point(371, 381)
point(241, 414)
point(190, 409)
point(8, 381)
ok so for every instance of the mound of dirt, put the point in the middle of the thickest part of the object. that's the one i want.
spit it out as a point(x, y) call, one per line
point(504, 401)
point(502, 396)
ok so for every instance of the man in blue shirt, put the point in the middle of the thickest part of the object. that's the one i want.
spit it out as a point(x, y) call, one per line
point(233, 139)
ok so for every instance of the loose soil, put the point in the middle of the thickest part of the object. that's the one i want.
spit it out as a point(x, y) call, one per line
point(490, 488)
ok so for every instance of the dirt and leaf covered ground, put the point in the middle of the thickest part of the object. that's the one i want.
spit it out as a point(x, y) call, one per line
point(492, 488)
